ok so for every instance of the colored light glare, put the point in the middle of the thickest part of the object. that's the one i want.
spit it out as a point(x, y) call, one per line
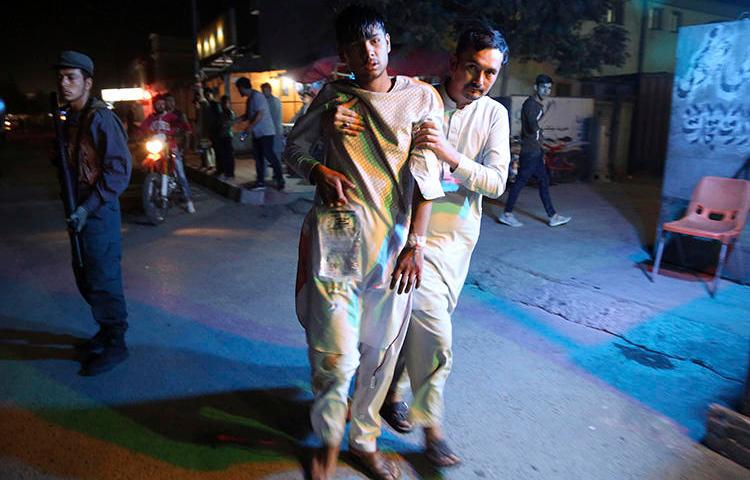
point(124, 94)
point(154, 146)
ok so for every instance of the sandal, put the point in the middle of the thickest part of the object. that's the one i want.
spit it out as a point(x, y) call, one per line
point(396, 414)
point(376, 464)
point(440, 454)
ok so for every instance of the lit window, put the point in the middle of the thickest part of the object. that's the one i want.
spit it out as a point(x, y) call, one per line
point(675, 21)
point(654, 18)
point(220, 36)
point(616, 13)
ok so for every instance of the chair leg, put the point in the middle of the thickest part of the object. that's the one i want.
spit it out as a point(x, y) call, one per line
point(659, 252)
point(740, 258)
point(681, 251)
point(719, 269)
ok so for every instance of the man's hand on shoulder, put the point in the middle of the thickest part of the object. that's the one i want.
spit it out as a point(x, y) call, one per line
point(343, 119)
point(430, 136)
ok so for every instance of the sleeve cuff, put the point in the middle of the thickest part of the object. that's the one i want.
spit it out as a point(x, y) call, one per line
point(92, 203)
point(425, 168)
point(464, 169)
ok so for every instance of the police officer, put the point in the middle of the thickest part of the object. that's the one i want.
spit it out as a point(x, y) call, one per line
point(100, 164)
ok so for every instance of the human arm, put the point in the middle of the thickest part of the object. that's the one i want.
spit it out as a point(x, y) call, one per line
point(111, 143)
point(423, 163)
point(257, 107)
point(486, 174)
point(408, 271)
point(307, 131)
point(145, 127)
point(531, 112)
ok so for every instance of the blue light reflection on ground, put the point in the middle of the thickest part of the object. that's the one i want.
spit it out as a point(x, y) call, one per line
point(676, 385)
point(174, 361)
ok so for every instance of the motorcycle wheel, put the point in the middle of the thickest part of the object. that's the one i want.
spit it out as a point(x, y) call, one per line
point(154, 205)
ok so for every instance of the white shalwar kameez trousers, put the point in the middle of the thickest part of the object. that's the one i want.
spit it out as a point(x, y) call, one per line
point(356, 323)
point(480, 133)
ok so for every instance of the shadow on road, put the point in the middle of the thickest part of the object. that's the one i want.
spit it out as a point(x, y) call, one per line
point(35, 345)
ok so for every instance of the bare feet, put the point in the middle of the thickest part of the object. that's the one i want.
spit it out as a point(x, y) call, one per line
point(437, 450)
point(377, 464)
point(323, 464)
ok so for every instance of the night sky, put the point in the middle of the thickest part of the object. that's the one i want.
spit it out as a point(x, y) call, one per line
point(112, 32)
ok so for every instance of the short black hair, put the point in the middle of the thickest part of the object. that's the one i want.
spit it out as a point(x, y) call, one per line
point(356, 22)
point(86, 75)
point(541, 79)
point(265, 85)
point(243, 82)
point(480, 36)
point(224, 98)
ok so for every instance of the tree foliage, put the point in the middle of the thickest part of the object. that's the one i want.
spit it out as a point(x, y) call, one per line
point(572, 34)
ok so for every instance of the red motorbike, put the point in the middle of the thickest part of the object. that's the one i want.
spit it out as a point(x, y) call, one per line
point(160, 188)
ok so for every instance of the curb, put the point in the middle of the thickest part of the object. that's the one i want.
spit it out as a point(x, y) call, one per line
point(237, 193)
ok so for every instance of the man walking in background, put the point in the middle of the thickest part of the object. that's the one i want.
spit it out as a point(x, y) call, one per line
point(532, 157)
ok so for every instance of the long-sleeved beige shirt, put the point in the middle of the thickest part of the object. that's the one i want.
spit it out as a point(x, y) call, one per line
point(480, 133)
point(380, 161)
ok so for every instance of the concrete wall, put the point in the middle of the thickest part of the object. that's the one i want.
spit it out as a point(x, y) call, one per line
point(709, 131)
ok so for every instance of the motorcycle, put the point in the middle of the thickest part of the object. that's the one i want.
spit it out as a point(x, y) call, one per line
point(160, 188)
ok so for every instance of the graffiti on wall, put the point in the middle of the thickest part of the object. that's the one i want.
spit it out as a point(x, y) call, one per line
point(716, 124)
point(715, 65)
point(717, 72)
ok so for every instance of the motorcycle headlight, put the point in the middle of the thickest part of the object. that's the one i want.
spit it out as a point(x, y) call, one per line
point(154, 146)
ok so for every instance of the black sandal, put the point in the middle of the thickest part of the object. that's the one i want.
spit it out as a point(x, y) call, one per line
point(396, 414)
point(440, 454)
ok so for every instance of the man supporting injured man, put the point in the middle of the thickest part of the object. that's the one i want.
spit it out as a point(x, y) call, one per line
point(473, 145)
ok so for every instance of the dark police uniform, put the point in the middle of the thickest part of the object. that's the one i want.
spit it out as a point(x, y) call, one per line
point(100, 164)
point(98, 152)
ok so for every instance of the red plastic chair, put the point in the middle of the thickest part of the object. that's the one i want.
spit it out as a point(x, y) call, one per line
point(717, 211)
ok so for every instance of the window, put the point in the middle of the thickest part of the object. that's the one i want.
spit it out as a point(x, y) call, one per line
point(616, 13)
point(654, 18)
point(675, 21)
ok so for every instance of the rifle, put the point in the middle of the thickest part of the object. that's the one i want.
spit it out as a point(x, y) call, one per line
point(66, 180)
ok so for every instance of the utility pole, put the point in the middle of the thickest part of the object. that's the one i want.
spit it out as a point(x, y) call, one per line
point(194, 15)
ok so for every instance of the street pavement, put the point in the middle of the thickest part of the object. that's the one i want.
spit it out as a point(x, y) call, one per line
point(569, 362)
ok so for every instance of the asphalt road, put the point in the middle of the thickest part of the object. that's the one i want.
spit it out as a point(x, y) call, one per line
point(569, 363)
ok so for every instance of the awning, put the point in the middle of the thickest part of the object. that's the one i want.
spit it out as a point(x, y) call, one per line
point(321, 69)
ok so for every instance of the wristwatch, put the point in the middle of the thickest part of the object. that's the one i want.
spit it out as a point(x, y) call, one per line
point(414, 240)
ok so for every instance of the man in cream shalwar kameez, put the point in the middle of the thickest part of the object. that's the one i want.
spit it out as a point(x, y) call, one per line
point(356, 323)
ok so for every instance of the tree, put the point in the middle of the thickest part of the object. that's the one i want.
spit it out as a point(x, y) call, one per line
point(557, 32)
point(572, 34)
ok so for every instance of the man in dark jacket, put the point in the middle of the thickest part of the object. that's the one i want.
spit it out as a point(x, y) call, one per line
point(532, 157)
point(101, 165)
